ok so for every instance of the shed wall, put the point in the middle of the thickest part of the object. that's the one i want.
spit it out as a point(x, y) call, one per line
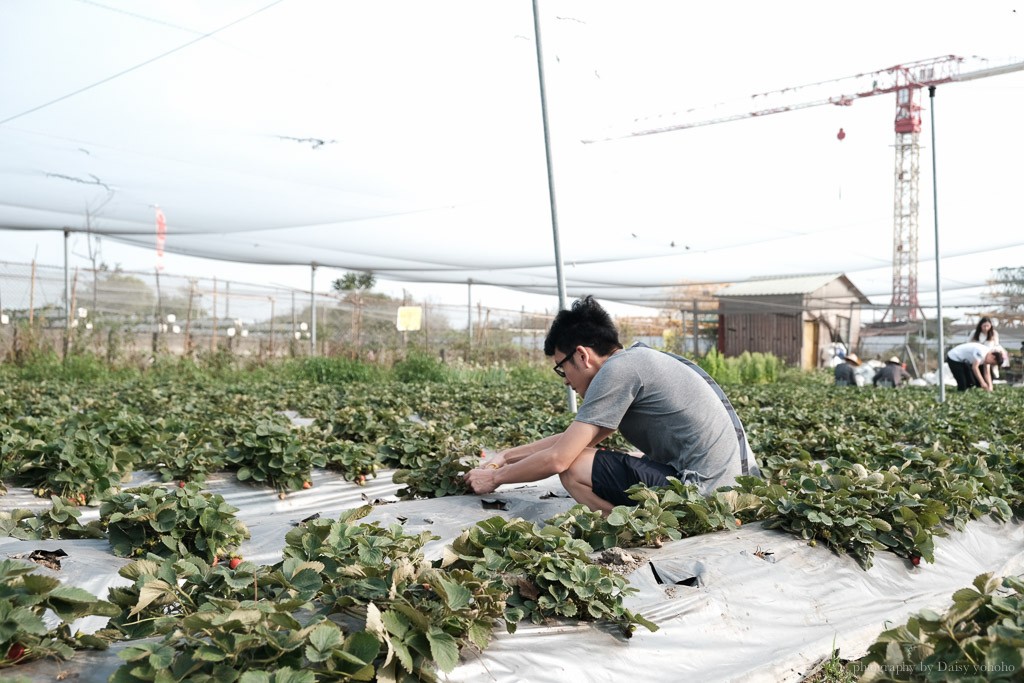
point(780, 334)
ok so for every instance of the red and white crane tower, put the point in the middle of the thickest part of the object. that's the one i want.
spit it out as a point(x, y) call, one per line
point(907, 81)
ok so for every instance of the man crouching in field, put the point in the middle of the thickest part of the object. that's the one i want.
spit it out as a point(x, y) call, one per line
point(665, 406)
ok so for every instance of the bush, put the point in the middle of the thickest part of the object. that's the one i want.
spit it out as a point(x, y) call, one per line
point(332, 370)
point(420, 368)
point(47, 364)
point(747, 368)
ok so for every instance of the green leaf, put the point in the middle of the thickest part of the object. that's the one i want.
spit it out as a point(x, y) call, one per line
point(322, 640)
point(289, 675)
point(363, 646)
point(254, 677)
point(396, 623)
point(456, 595)
point(480, 634)
point(40, 584)
point(443, 649)
point(208, 653)
point(150, 591)
point(161, 658)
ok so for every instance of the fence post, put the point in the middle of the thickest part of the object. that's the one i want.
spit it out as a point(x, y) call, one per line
point(188, 318)
point(271, 326)
point(213, 337)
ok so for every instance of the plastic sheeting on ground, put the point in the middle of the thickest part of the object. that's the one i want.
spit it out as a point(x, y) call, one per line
point(744, 605)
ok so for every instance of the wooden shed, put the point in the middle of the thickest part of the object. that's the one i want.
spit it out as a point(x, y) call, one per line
point(794, 318)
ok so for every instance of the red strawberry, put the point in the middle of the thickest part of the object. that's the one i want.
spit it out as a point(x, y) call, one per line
point(16, 652)
point(181, 484)
point(235, 561)
point(307, 484)
point(915, 560)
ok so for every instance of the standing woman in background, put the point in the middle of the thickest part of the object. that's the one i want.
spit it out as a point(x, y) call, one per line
point(986, 334)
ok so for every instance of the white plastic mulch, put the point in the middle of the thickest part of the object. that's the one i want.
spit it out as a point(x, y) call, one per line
point(743, 605)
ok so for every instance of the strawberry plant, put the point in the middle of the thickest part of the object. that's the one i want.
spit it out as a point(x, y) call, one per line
point(164, 590)
point(267, 451)
point(851, 510)
point(59, 522)
point(439, 475)
point(352, 459)
point(548, 573)
point(342, 543)
point(425, 615)
point(978, 639)
point(662, 514)
point(431, 616)
point(74, 459)
point(188, 450)
point(149, 519)
point(231, 640)
point(26, 596)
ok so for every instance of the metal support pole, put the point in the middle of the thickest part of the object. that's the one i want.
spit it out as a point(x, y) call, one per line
point(213, 332)
point(938, 259)
point(271, 327)
point(559, 271)
point(67, 296)
point(924, 332)
point(312, 307)
point(469, 317)
point(696, 330)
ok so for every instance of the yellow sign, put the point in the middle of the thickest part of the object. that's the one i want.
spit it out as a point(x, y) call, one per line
point(409, 318)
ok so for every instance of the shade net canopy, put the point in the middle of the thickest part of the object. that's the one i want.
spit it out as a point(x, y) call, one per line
point(407, 139)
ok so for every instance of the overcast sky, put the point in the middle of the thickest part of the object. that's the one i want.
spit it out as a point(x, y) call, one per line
point(728, 201)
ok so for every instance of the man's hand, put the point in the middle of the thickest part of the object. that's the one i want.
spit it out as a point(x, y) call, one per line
point(482, 480)
point(492, 461)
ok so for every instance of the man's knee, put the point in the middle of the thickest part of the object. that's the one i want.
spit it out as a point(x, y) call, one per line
point(569, 477)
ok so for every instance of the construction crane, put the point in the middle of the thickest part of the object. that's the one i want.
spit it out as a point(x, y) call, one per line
point(906, 80)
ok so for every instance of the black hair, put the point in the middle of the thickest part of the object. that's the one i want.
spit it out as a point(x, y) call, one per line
point(998, 355)
point(585, 324)
point(977, 330)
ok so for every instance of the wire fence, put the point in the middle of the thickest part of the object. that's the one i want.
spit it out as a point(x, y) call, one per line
point(125, 315)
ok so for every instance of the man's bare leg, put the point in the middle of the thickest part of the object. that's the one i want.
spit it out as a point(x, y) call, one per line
point(578, 481)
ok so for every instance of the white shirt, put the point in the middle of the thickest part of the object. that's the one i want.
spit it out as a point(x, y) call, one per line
point(969, 352)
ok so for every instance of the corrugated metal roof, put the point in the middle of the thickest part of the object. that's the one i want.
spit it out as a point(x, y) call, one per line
point(797, 284)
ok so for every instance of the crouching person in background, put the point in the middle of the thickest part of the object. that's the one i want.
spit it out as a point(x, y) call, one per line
point(971, 364)
point(892, 375)
point(845, 373)
point(665, 406)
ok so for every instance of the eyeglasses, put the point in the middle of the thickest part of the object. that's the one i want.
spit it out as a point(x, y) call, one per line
point(558, 366)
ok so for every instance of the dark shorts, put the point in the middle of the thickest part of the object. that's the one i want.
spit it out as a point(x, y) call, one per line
point(615, 472)
point(963, 373)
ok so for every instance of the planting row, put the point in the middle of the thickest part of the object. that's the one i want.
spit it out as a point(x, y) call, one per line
point(876, 471)
point(372, 606)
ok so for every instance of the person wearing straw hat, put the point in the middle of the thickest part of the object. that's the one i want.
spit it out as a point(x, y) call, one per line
point(891, 375)
point(845, 374)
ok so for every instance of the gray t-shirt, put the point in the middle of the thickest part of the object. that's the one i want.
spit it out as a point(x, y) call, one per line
point(667, 411)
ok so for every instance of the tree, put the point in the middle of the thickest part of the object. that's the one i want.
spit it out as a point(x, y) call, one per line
point(127, 294)
point(355, 285)
point(685, 297)
point(354, 282)
point(1008, 294)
